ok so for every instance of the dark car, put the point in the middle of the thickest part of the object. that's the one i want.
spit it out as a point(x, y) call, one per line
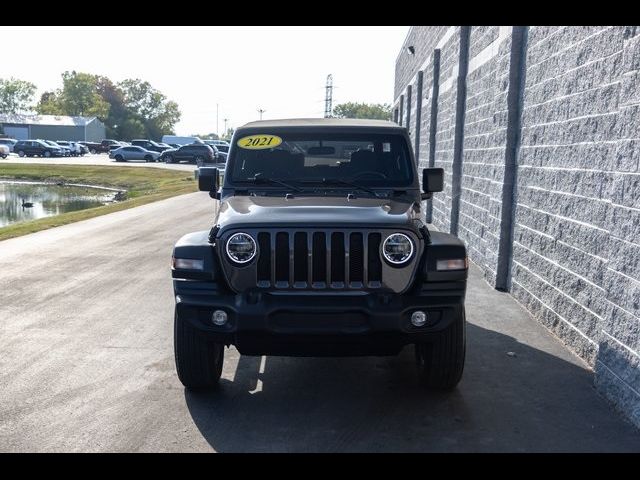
point(319, 247)
point(197, 153)
point(104, 146)
point(36, 148)
point(150, 145)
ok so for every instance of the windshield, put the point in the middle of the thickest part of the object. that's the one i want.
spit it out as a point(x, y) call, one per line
point(368, 159)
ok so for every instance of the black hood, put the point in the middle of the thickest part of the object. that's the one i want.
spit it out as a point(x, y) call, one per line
point(316, 211)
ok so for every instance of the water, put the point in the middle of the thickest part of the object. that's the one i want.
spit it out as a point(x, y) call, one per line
point(48, 200)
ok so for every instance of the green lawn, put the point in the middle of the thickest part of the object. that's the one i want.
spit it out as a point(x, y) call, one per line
point(143, 185)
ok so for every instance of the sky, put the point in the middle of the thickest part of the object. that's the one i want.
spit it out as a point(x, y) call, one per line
point(232, 70)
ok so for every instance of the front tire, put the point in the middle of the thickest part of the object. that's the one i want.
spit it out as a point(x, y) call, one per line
point(47, 153)
point(148, 158)
point(168, 159)
point(198, 361)
point(119, 158)
point(441, 362)
point(21, 153)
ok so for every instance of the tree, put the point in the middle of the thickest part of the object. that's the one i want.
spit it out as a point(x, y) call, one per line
point(150, 106)
point(16, 96)
point(79, 96)
point(206, 136)
point(375, 111)
point(228, 134)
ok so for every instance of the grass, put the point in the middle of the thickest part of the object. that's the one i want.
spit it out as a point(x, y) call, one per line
point(143, 185)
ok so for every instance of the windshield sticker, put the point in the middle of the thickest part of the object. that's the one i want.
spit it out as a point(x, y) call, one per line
point(259, 142)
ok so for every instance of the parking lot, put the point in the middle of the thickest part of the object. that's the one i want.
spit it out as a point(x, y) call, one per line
point(97, 159)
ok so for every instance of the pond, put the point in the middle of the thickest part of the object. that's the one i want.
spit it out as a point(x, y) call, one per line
point(47, 199)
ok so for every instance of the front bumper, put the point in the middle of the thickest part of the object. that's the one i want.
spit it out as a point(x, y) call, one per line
point(322, 323)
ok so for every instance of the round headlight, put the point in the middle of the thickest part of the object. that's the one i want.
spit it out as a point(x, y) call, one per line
point(241, 247)
point(397, 248)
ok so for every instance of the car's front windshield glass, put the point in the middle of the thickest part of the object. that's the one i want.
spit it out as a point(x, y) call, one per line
point(375, 160)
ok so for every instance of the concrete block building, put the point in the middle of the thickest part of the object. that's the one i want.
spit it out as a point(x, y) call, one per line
point(538, 131)
point(52, 127)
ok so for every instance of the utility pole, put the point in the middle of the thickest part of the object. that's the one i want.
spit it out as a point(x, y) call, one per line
point(225, 126)
point(328, 99)
point(217, 128)
point(261, 111)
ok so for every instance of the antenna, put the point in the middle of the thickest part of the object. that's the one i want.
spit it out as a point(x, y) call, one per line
point(328, 99)
point(261, 111)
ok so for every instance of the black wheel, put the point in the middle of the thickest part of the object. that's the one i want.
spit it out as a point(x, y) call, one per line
point(47, 153)
point(119, 158)
point(168, 159)
point(4, 156)
point(198, 361)
point(441, 362)
point(93, 151)
point(21, 153)
point(199, 161)
point(148, 158)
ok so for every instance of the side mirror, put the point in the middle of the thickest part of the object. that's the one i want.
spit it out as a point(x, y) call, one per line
point(208, 179)
point(432, 181)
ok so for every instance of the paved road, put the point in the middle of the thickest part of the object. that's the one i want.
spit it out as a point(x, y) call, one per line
point(97, 159)
point(87, 365)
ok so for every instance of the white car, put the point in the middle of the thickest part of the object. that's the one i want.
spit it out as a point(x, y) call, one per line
point(9, 142)
point(4, 151)
point(132, 152)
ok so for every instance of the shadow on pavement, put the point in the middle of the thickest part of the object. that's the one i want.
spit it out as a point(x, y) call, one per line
point(530, 401)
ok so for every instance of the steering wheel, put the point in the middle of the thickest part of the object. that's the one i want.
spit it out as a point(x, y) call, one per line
point(370, 172)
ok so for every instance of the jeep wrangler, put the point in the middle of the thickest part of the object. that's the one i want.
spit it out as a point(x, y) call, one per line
point(319, 247)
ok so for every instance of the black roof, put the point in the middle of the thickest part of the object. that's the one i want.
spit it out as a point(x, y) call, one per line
point(321, 122)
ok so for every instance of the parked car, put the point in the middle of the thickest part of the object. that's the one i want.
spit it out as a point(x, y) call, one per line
point(174, 139)
point(83, 148)
point(4, 150)
point(133, 152)
point(36, 148)
point(9, 142)
point(220, 148)
point(76, 148)
point(320, 247)
point(103, 147)
point(194, 153)
point(150, 145)
point(66, 152)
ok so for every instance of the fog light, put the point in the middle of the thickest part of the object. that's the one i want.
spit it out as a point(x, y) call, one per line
point(418, 318)
point(219, 317)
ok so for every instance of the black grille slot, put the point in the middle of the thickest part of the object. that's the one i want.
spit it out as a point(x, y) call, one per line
point(264, 260)
point(319, 267)
point(309, 259)
point(300, 254)
point(337, 257)
point(374, 266)
point(356, 258)
point(282, 257)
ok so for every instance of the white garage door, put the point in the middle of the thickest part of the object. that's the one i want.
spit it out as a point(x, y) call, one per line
point(21, 133)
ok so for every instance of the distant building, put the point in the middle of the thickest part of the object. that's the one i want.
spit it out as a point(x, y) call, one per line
point(52, 127)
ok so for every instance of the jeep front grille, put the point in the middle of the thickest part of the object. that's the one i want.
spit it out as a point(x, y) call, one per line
point(319, 259)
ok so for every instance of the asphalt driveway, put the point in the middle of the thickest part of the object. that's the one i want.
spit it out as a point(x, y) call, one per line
point(87, 365)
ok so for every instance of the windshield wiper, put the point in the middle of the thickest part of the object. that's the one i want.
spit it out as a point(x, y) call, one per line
point(258, 179)
point(337, 181)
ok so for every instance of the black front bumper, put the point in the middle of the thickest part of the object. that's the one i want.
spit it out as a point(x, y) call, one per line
point(322, 323)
